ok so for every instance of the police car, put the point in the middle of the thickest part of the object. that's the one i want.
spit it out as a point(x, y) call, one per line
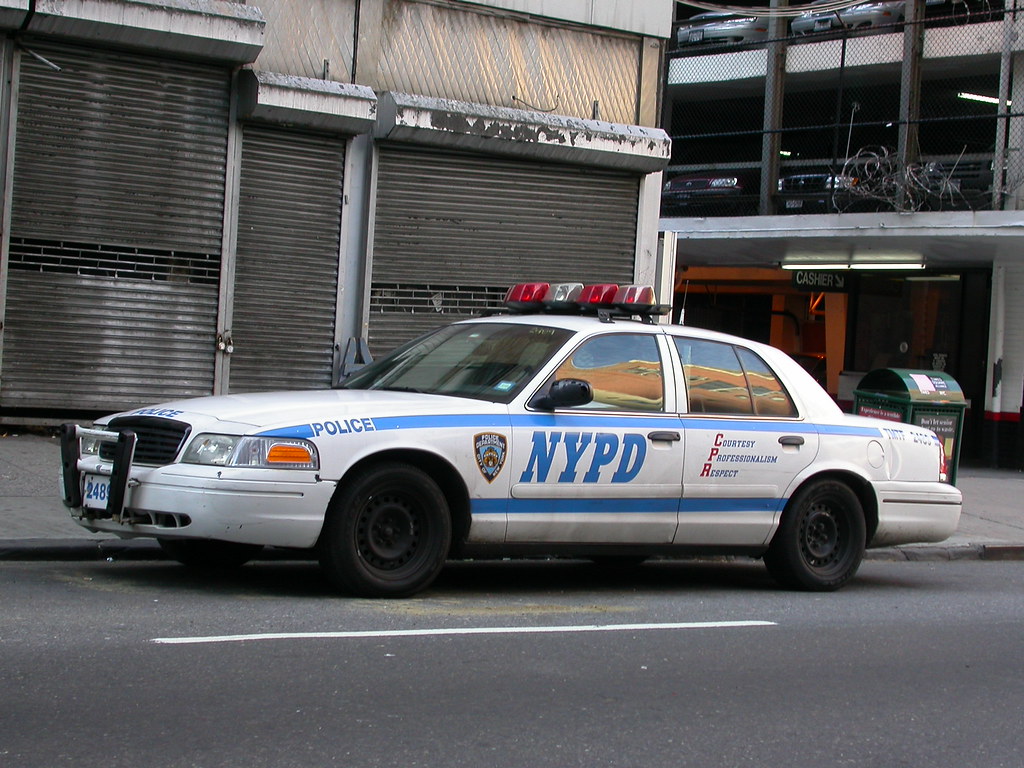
point(574, 425)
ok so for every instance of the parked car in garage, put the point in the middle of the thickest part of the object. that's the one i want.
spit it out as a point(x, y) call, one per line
point(862, 16)
point(881, 16)
point(714, 193)
point(815, 192)
point(721, 27)
point(872, 180)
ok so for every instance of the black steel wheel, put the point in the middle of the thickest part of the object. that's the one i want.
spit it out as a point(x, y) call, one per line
point(820, 543)
point(387, 533)
point(204, 553)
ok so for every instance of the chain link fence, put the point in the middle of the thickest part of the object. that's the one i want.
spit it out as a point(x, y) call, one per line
point(864, 117)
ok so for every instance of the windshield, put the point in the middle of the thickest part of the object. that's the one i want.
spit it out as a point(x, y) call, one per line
point(487, 361)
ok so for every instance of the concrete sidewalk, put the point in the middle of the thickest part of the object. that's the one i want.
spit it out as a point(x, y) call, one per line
point(34, 524)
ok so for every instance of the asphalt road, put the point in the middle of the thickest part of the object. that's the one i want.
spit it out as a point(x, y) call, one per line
point(508, 664)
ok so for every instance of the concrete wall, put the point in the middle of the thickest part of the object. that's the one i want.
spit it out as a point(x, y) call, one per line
point(474, 53)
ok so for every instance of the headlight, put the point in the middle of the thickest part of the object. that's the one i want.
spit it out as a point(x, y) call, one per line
point(252, 451)
point(842, 182)
point(90, 445)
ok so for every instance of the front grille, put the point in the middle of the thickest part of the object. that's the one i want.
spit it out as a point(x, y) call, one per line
point(158, 440)
point(680, 186)
point(805, 184)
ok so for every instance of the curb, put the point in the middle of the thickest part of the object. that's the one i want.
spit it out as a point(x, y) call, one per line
point(80, 549)
point(1003, 552)
point(148, 549)
point(919, 553)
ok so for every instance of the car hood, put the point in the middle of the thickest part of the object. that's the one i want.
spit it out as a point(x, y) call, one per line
point(267, 411)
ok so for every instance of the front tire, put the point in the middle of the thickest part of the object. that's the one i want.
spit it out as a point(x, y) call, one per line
point(387, 534)
point(820, 544)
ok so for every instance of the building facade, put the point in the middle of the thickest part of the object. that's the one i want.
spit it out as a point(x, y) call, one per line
point(852, 194)
point(204, 196)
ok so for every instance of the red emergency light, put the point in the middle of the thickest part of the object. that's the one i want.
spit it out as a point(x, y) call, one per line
point(527, 296)
point(603, 299)
point(599, 296)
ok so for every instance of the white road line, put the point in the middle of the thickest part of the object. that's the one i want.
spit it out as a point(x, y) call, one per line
point(458, 631)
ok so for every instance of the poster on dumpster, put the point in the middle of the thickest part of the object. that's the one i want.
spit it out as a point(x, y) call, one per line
point(945, 426)
point(930, 385)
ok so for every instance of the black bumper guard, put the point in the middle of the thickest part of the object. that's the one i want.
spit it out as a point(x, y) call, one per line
point(120, 470)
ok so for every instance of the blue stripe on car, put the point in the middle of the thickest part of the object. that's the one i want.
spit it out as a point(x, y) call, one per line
point(562, 421)
point(577, 506)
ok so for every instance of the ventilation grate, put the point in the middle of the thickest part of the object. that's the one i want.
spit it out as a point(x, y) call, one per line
point(113, 261)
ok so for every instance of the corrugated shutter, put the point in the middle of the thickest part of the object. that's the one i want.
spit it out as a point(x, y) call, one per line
point(84, 342)
point(117, 213)
point(286, 276)
point(453, 231)
point(116, 148)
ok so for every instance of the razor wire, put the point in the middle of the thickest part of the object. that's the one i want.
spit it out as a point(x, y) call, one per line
point(874, 176)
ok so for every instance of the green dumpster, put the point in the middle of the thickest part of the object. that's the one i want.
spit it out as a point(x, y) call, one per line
point(930, 399)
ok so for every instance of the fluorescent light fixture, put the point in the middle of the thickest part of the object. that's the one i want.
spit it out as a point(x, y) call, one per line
point(860, 265)
point(872, 265)
point(982, 99)
point(820, 265)
point(856, 258)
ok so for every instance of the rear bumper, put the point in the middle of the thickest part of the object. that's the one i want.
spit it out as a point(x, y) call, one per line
point(911, 513)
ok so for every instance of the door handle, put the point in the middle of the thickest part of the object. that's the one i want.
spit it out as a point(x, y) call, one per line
point(791, 440)
point(666, 436)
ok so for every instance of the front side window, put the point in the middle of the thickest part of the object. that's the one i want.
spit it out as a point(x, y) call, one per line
point(729, 380)
point(487, 361)
point(623, 369)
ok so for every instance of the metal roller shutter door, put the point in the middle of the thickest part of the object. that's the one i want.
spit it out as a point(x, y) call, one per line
point(286, 274)
point(117, 212)
point(453, 231)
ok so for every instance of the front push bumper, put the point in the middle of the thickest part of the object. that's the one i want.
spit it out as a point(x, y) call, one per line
point(283, 508)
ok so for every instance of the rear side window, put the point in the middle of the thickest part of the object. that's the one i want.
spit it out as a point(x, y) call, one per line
point(729, 380)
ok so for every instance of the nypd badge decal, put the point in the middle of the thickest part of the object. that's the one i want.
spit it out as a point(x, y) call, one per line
point(490, 450)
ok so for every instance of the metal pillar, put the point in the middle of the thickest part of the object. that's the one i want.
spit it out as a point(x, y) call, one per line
point(774, 90)
point(909, 148)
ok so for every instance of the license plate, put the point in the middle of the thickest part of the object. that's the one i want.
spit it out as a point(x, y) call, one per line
point(794, 203)
point(697, 36)
point(821, 24)
point(96, 491)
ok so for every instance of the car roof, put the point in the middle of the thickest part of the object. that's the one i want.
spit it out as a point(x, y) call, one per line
point(708, 15)
point(727, 174)
point(591, 324)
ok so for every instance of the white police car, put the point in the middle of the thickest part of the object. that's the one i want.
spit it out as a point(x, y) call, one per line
point(572, 426)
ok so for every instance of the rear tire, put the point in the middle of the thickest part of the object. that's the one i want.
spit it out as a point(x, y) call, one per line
point(820, 544)
point(208, 554)
point(387, 533)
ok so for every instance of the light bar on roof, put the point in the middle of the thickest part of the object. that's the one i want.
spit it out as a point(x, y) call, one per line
point(605, 299)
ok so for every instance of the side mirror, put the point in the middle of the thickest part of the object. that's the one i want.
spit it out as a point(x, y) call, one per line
point(564, 393)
